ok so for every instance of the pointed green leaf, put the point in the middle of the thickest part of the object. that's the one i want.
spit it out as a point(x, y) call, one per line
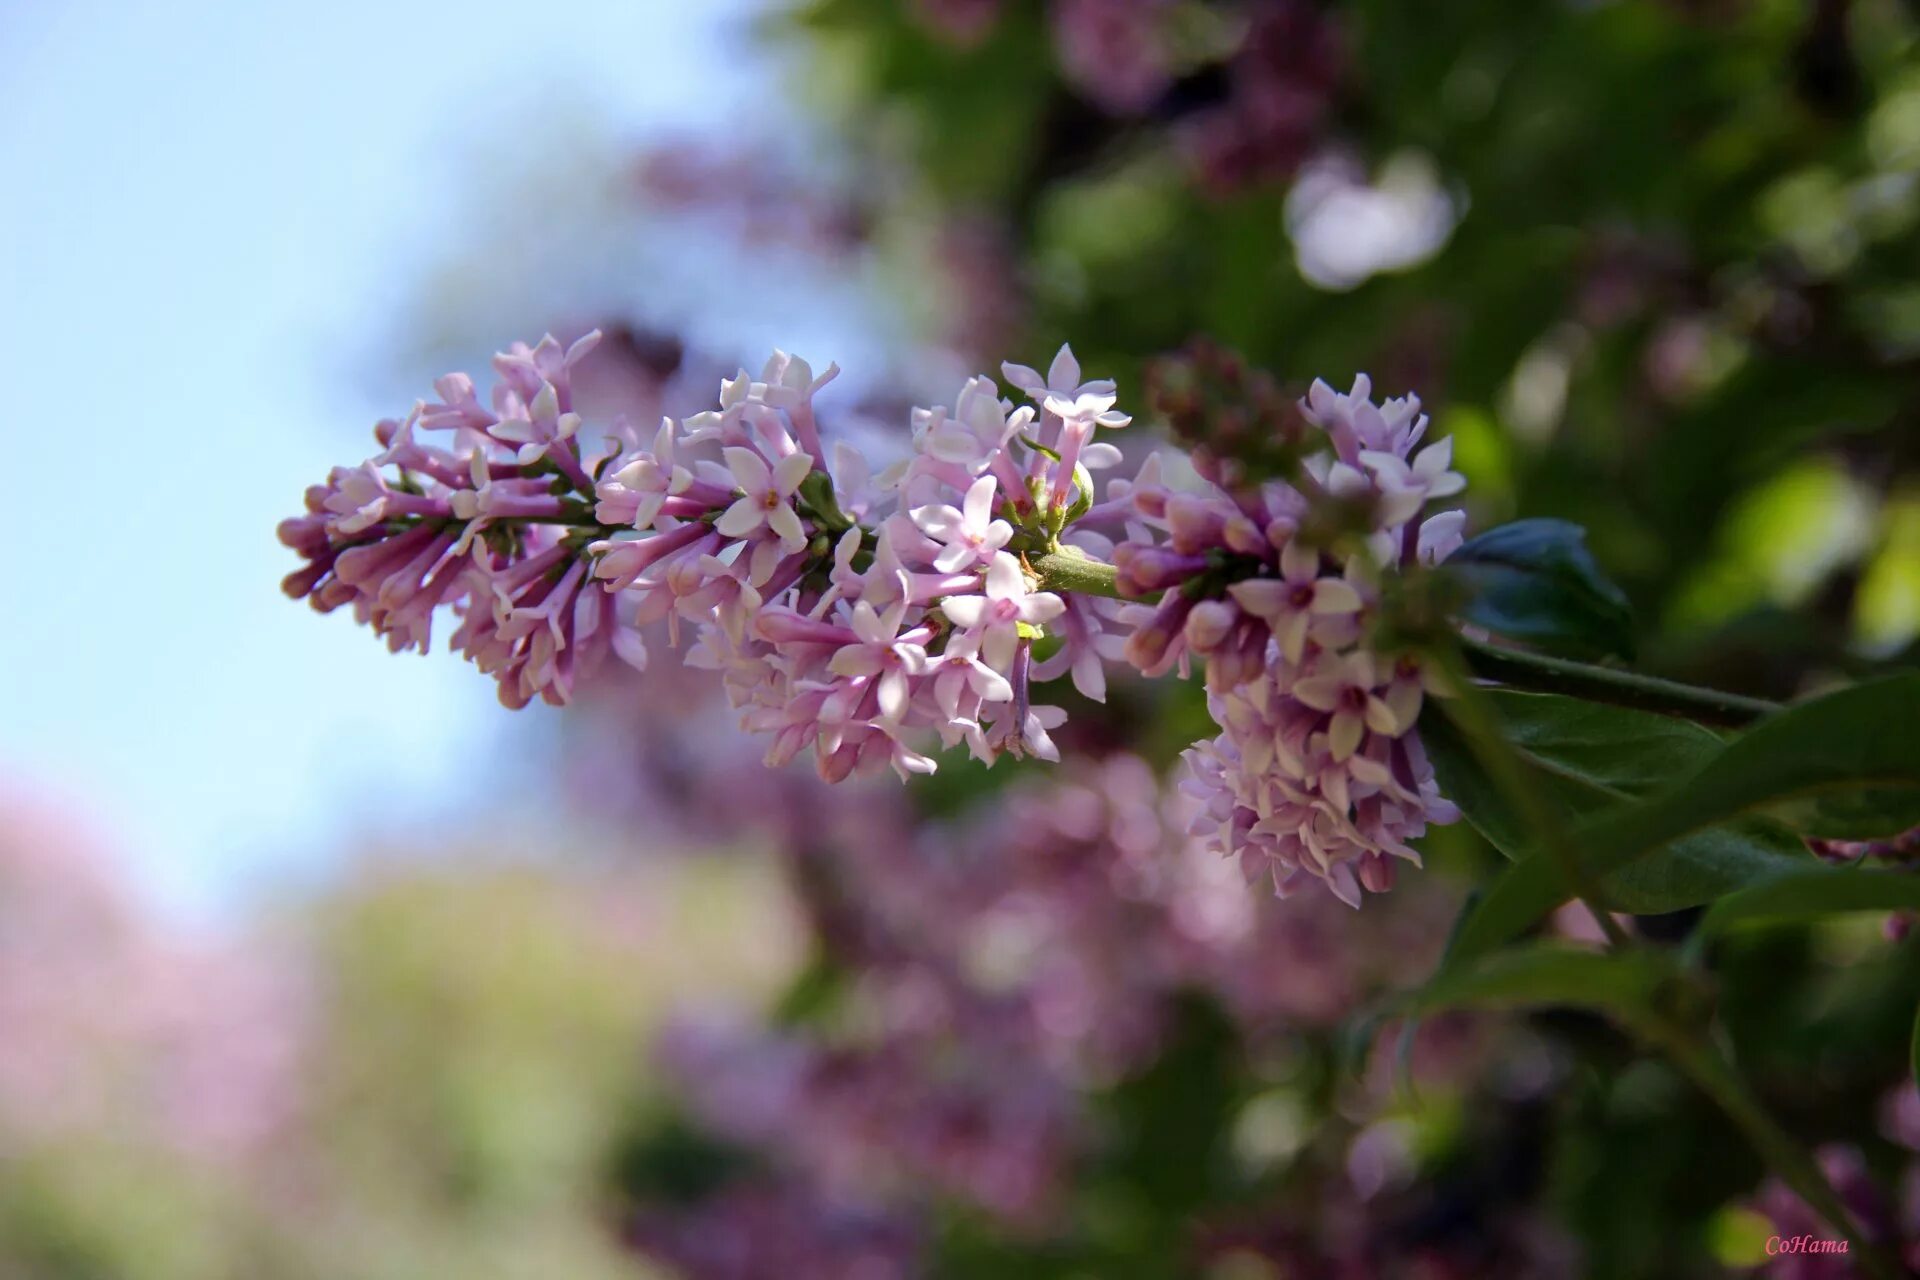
point(1622, 983)
point(1811, 895)
point(1590, 758)
point(1852, 743)
point(1535, 581)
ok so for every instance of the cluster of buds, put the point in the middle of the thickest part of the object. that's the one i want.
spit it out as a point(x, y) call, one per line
point(864, 617)
point(1317, 773)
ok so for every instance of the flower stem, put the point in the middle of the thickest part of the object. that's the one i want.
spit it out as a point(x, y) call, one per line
point(1535, 671)
point(1469, 710)
point(1710, 1071)
point(1068, 569)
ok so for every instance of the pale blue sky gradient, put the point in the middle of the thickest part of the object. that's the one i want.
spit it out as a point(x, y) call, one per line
point(209, 213)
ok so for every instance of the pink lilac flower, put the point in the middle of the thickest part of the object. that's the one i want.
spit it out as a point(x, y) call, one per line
point(830, 603)
point(1004, 606)
point(827, 600)
point(1317, 774)
point(969, 535)
point(767, 497)
point(860, 619)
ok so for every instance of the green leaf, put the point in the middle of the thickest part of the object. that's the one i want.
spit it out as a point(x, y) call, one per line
point(1535, 581)
point(1810, 895)
point(1913, 1050)
point(1589, 758)
point(1855, 742)
point(1622, 984)
point(1544, 974)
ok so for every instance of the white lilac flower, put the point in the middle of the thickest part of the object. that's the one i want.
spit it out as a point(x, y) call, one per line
point(883, 656)
point(767, 497)
point(1062, 380)
point(998, 613)
point(970, 534)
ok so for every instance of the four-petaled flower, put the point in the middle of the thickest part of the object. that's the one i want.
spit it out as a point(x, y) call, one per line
point(1291, 602)
point(767, 500)
point(997, 614)
point(883, 656)
point(971, 535)
point(1063, 379)
point(1349, 689)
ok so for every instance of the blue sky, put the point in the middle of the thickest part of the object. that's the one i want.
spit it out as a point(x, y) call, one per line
point(210, 210)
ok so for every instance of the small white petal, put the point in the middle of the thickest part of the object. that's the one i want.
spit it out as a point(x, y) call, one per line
point(790, 471)
point(1321, 692)
point(979, 502)
point(964, 611)
point(1064, 373)
point(1343, 737)
point(1335, 595)
point(1261, 597)
point(785, 522)
point(1004, 579)
point(740, 519)
point(749, 469)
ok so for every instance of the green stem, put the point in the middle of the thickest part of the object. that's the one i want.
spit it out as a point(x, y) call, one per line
point(1538, 672)
point(1469, 708)
point(1710, 1071)
point(1068, 569)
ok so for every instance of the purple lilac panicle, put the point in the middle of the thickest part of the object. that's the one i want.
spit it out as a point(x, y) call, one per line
point(857, 618)
point(863, 618)
point(1317, 773)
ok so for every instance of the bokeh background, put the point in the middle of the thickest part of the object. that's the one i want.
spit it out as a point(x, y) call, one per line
point(315, 961)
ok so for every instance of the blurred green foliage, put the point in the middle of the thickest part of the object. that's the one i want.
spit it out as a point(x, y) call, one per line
point(1679, 307)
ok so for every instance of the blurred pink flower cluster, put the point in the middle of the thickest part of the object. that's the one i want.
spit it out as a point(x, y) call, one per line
point(1280, 64)
point(780, 1229)
point(996, 973)
point(115, 1027)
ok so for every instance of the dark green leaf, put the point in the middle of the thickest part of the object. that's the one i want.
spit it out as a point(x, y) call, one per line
point(1855, 741)
point(1913, 1050)
point(1623, 983)
point(1535, 581)
point(1811, 895)
point(1590, 758)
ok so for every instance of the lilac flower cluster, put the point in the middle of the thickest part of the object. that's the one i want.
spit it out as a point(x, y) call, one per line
point(781, 1228)
point(847, 614)
point(865, 617)
point(487, 525)
point(1317, 773)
